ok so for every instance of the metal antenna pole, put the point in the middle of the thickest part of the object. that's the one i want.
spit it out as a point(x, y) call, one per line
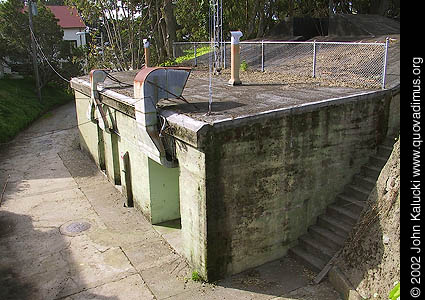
point(222, 45)
point(210, 63)
point(216, 43)
point(217, 34)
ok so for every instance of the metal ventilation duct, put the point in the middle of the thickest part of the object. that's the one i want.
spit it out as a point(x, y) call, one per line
point(150, 86)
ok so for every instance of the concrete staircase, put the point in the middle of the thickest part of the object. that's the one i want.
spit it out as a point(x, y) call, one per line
point(328, 235)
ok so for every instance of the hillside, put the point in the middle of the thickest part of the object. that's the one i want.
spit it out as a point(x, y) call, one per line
point(370, 259)
point(19, 105)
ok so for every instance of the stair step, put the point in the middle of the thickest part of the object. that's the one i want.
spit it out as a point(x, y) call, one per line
point(378, 161)
point(312, 261)
point(357, 192)
point(389, 141)
point(371, 171)
point(331, 223)
point(316, 247)
point(366, 182)
point(333, 240)
point(350, 203)
point(331, 230)
point(384, 150)
point(343, 213)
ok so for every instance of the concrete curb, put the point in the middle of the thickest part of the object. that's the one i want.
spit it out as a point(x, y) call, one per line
point(342, 285)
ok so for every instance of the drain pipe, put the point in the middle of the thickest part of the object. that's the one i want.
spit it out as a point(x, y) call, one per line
point(235, 58)
point(146, 45)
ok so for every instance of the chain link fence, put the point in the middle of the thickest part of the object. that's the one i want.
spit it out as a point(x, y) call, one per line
point(353, 64)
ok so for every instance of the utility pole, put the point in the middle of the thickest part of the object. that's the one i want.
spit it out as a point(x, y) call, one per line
point(34, 50)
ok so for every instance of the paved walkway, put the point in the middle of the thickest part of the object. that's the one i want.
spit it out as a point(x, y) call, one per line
point(53, 189)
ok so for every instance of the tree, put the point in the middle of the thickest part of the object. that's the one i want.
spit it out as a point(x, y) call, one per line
point(122, 25)
point(163, 27)
point(119, 27)
point(192, 20)
point(170, 26)
point(15, 37)
point(388, 8)
point(14, 32)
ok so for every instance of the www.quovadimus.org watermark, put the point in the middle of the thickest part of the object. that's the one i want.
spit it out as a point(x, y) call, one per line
point(415, 181)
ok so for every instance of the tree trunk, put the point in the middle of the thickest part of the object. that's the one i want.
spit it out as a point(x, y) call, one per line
point(163, 37)
point(154, 16)
point(291, 17)
point(261, 24)
point(251, 20)
point(171, 24)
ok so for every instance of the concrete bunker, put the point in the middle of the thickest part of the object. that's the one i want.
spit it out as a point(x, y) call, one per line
point(248, 179)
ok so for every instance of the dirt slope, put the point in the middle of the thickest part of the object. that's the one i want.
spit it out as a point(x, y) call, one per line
point(371, 258)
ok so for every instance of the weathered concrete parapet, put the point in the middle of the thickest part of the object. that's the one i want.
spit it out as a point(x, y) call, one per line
point(150, 86)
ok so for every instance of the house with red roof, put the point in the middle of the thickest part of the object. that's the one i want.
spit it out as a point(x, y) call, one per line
point(71, 23)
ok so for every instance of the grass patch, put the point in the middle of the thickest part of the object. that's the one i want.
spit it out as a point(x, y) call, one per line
point(244, 66)
point(19, 105)
point(189, 54)
point(196, 277)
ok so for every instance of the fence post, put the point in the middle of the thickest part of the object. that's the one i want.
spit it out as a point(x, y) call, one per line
point(174, 50)
point(384, 71)
point(314, 59)
point(262, 56)
point(224, 54)
point(194, 51)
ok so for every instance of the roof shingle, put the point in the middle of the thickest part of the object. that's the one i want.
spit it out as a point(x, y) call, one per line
point(68, 17)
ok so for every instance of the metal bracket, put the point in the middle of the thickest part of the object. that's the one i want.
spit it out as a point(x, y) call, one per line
point(97, 76)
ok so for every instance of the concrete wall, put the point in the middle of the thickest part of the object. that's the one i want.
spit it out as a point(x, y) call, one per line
point(155, 188)
point(193, 205)
point(88, 130)
point(246, 189)
point(160, 193)
point(270, 176)
point(362, 25)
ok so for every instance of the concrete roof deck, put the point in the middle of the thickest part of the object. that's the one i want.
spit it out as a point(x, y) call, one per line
point(260, 93)
point(255, 96)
